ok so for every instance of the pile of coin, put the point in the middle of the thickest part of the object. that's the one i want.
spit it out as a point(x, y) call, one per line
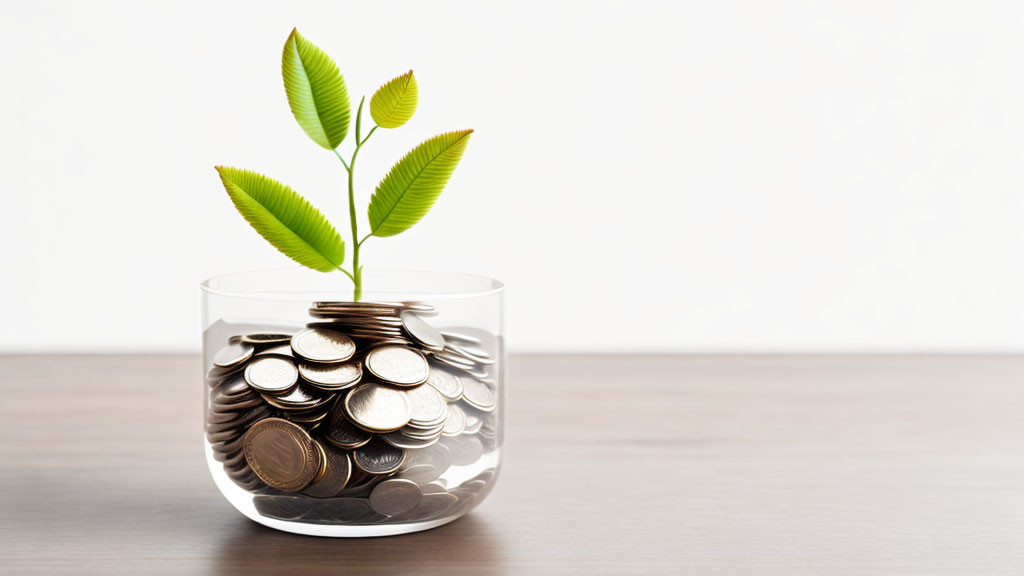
point(369, 403)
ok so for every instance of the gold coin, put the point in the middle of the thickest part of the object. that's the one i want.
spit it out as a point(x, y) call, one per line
point(398, 365)
point(377, 408)
point(320, 345)
point(282, 454)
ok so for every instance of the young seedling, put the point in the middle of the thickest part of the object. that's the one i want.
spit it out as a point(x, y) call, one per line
point(319, 101)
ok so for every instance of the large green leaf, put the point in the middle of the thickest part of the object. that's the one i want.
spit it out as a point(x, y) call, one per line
point(285, 219)
point(316, 91)
point(406, 194)
point(395, 102)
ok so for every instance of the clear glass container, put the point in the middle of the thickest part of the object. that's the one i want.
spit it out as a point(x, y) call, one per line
point(333, 418)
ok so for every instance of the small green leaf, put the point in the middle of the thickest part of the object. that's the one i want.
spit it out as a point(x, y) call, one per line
point(285, 219)
point(316, 91)
point(412, 186)
point(395, 102)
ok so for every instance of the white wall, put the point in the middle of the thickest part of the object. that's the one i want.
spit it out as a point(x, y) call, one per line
point(678, 176)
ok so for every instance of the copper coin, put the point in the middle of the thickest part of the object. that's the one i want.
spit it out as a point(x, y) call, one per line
point(339, 470)
point(282, 454)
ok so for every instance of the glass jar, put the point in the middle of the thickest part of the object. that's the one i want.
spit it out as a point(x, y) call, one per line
point(330, 417)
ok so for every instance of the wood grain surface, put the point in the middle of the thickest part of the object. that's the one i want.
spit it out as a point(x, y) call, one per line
point(613, 465)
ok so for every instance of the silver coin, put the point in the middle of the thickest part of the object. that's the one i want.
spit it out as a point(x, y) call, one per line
point(400, 440)
point(427, 434)
point(456, 422)
point(426, 465)
point(429, 407)
point(320, 345)
point(460, 337)
point(233, 354)
point(265, 339)
point(396, 496)
point(431, 506)
point(478, 395)
point(350, 510)
point(445, 382)
point(464, 353)
point(474, 351)
point(378, 457)
point(279, 350)
point(422, 332)
point(282, 507)
point(234, 386)
point(454, 364)
point(236, 403)
point(465, 449)
point(301, 397)
point(272, 374)
point(332, 376)
point(339, 470)
point(473, 423)
point(397, 365)
point(377, 408)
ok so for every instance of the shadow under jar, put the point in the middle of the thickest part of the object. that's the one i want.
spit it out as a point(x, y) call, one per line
point(329, 417)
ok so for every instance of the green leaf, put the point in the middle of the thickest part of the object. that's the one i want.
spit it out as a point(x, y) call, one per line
point(285, 219)
point(316, 91)
point(412, 186)
point(395, 102)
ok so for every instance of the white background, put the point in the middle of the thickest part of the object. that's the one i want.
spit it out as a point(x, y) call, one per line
point(678, 176)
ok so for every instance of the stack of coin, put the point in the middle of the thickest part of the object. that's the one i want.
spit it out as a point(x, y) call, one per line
point(368, 403)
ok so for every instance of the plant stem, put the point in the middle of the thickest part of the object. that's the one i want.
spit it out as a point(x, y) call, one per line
point(357, 270)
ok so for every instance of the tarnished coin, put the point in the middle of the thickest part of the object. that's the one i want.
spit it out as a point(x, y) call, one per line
point(445, 382)
point(377, 408)
point(332, 376)
point(395, 496)
point(378, 457)
point(235, 386)
point(429, 406)
point(339, 470)
point(233, 354)
point(272, 374)
point(282, 507)
point(456, 422)
point(266, 339)
point(282, 454)
point(398, 365)
point(321, 345)
point(478, 395)
point(422, 332)
point(348, 509)
point(341, 432)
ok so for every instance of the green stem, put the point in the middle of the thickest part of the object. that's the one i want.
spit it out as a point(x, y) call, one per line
point(357, 270)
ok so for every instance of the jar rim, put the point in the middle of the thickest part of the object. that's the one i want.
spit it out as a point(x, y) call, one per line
point(290, 283)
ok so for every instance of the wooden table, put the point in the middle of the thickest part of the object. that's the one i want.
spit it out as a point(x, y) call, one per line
point(720, 465)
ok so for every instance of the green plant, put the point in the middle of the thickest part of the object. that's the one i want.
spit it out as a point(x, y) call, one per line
point(319, 101)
